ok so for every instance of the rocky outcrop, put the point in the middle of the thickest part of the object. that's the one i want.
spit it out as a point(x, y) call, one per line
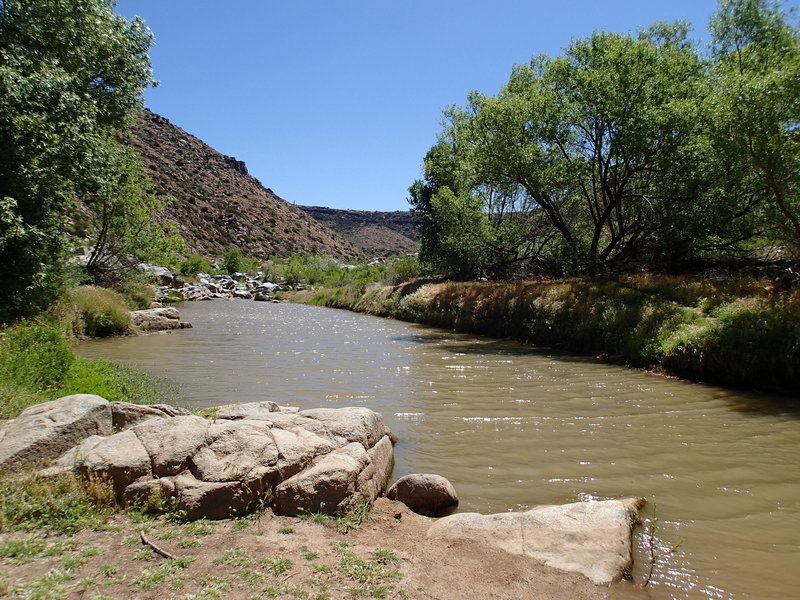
point(592, 538)
point(261, 455)
point(425, 493)
point(45, 431)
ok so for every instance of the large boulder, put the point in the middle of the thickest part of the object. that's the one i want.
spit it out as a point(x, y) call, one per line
point(45, 431)
point(592, 538)
point(155, 319)
point(425, 493)
point(262, 453)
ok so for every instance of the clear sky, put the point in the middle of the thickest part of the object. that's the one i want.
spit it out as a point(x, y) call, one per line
point(335, 102)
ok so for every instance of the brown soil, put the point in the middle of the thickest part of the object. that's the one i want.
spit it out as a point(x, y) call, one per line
point(246, 559)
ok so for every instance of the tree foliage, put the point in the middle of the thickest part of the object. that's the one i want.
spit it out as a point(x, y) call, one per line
point(621, 153)
point(756, 105)
point(70, 73)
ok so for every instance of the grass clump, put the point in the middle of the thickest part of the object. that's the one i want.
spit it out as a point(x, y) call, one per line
point(96, 311)
point(343, 520)
point(61, 504)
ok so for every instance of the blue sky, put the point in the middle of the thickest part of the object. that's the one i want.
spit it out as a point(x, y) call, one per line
point(334, 103)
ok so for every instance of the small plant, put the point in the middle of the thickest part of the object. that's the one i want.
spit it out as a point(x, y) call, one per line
point(656, 555)
point(200, 528)
point(385, 556)
point(343, 520)
point(252, 578)
point(277, 566)
point(58, 504)
point(108, 570)
point(286, 531)
point(236, 557)
point(143, 554)
point(189, 543)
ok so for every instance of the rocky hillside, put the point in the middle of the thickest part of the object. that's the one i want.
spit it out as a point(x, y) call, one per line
point(374, 233)
point(218, 205)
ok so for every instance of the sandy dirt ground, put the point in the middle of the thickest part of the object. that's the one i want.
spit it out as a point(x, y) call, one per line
point(389, 556)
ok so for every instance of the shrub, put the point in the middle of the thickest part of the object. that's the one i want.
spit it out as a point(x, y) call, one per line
point(139, 296)
point(193, 265)
point(97, 312)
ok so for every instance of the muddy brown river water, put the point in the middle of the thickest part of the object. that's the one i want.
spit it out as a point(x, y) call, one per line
point(513, 427)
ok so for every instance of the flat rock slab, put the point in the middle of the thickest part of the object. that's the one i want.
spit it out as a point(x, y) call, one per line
point(155, 319)
point(591, 538)
point(45, 431)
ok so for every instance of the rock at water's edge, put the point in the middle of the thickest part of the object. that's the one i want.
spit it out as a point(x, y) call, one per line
point(425, 493)
point(592, 538)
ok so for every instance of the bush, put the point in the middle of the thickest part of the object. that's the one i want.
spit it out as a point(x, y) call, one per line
point(97, 312)
point(139, 296)
point(193, 265)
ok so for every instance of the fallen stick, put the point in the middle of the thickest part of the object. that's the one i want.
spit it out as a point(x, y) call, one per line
point(155, 548)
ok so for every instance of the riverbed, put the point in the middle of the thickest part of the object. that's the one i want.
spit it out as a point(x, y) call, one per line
point(511, 427)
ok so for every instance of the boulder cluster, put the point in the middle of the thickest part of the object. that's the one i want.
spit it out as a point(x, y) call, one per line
point(248, 456)
point(261, 455)
point(239, 285)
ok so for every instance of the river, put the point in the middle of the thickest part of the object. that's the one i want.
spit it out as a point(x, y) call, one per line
point(513, 427)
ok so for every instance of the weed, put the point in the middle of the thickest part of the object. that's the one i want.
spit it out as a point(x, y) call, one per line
point(236, 557)
point(385, 556)
point(170, 534)
point(286, 530)
point(48, 587)
point(200, 527)
point(285, 590)
point(189, 543)
point(343, 520)
point(151, 577)
point(309, 555)
point(70, 563)
point(143, 554)
point(240, 524)
point(60, 504)
point(90, 551)
point(251, 578)
point(361, 571)
point(277, 566)
point(107, 570)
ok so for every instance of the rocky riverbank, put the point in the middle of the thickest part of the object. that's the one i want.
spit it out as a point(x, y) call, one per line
point(275, 462)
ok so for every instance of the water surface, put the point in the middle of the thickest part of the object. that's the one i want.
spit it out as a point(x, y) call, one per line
point(513, 427)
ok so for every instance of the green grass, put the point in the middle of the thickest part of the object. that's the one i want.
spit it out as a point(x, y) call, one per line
point(95, 311)
point(277, 566)
point(343, 520)
point(62, 504)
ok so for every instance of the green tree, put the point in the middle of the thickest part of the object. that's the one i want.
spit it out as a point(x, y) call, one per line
point(127, 228)
point(756, 106)
point(602, 141)
point(70, 73)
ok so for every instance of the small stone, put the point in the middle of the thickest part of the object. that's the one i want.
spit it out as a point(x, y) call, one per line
point(426, 494)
